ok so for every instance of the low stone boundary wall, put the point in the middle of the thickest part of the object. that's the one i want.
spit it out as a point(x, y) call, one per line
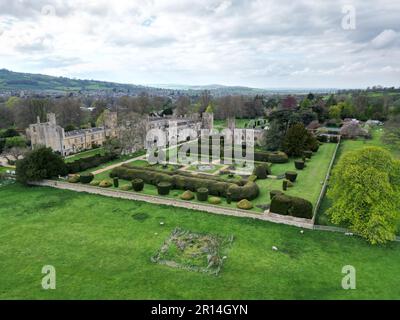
point(303, 223)
point(338, 229)
point(325, 185)
point(289, 220)
point(266, 216)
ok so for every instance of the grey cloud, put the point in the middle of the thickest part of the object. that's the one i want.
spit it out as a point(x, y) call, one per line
point(34, 44)
point(149, 41)
point(56, 62)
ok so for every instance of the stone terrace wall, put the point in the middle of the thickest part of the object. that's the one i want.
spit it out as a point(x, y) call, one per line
point(266, 216)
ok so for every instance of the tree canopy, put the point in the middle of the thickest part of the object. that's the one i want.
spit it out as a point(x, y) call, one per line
point(297, 140)
point(41, 163)
point(365, 192)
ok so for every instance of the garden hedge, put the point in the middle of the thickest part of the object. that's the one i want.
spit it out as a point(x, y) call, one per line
point(137, 184)
point(252, 178)
point(261, 156)
point(291, 176)
point(293, 206)
point(244, 205)
point(315, 147)
point(262, 171)
point(239, 190)
point(187, 195)
point(88, 163)
point(299, 164)
point(308, 154)
point(202, 194)
point(74, 179)
point(228, 198)
point(126, 187)
point(116, 182)
point(249, 191)
point(214, 200)
point(334, 139)
point(86, 178)
point(177, 172)
point(105, 184)
point(274, 193)
point(322, 138)
point(164, 188)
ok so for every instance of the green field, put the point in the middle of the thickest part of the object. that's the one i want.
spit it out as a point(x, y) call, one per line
point(309, 181)
point(101, 252)
point(84, 154)
point(221, 124)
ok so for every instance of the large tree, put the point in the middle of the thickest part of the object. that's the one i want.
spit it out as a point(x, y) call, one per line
point(14, 148)
point(365, 192)
point(6, 117)
point(182, 106)
point(69, 112)
point(297, 140)
point(132, 133)
point(41, 163)
point(27, 111)
point(273, 136)
point(289, 102)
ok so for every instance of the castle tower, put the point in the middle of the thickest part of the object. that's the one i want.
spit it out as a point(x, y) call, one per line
point(208, 120)
point(51, 118)
point(231, 123)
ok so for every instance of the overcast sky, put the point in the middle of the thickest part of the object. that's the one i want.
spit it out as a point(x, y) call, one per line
point(260, 43)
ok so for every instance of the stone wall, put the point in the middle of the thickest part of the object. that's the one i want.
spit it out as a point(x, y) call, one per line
point(298, 222)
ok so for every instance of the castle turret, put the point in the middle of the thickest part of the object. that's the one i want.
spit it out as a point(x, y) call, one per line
point(51, 118)
point(208, 120)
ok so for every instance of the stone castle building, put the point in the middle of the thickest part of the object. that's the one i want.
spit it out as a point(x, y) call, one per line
point(187, 127)
point(52, 135)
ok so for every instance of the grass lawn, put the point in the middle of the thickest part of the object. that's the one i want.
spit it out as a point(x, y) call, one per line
point(120, 159)
point(4, 169)
point(100, 251)
point(221, 124)
point(350, 145)
point(308, 183)
point(84, 154)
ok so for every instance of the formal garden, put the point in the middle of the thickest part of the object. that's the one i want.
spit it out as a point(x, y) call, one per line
point(279, 183)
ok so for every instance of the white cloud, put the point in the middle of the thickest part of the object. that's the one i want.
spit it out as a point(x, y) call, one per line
point(263, 43)
point(385, 38)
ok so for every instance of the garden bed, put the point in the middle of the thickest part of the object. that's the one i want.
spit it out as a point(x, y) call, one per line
point(193, 251)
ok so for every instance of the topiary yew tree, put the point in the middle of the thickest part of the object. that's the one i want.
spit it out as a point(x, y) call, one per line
point(297, 140)
point(365, 191)
point(41, 163)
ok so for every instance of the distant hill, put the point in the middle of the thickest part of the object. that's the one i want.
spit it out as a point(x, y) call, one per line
point(37, 82)
point(17, 81)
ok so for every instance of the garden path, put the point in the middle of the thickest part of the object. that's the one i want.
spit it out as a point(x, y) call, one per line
point(118, 164)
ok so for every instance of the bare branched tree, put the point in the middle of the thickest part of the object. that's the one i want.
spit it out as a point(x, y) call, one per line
point(132, 131)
